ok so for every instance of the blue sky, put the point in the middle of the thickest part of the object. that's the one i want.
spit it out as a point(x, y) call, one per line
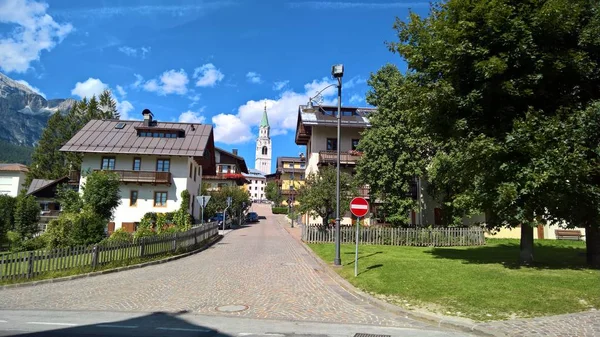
point(214, 62)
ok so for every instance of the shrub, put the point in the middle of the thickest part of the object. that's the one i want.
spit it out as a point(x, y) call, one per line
point(120, 235)
point(58, 231)
point(38, 242)
point(143, 232)
point(280, 210)
point(27, 214)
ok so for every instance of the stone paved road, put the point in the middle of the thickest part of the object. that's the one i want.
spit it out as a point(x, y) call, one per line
point(261, 267)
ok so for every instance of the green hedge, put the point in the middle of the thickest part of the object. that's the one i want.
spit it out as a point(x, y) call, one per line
point(280, 210)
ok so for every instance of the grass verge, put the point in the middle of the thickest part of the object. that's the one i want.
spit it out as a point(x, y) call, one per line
point(482, 283)
point(107, 266)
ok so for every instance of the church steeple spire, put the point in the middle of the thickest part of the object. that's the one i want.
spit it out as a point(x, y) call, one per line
point(263, 145)
point(265, 119)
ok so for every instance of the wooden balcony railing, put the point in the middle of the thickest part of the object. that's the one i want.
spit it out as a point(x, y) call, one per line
point(143, 177)
point(346, 158)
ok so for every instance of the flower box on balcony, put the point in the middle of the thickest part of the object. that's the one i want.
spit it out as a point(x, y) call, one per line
point(355, 153)
point(233, 176)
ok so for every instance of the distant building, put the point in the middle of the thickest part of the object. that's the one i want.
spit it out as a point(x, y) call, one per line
point(230, 170)
point(263, 145)
point(155, 161)
point(12, 178)
point(257, 185)
point(291, 172)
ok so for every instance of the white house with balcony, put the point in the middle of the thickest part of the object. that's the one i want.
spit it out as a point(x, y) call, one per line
point(230, 170)
point(12, 178)
point(155, 161)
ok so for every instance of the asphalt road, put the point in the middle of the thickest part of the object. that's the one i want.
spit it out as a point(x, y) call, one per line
point(97, 323)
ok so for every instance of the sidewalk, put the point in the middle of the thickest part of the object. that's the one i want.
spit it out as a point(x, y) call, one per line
point(583, 324)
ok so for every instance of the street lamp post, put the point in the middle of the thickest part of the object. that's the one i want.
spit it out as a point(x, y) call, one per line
point(338, 72)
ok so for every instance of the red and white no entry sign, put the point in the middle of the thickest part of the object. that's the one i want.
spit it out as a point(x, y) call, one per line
point(359, 207)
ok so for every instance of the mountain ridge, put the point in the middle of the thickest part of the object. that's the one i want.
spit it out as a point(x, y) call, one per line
point(25, 112)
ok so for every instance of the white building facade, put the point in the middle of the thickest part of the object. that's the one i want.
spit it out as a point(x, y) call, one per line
point(155, 162)
point(257, 185)
point(12, 178)
point(263, 146)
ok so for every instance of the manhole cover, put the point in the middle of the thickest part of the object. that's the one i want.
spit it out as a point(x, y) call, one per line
point(289, 264)
point(232, 308)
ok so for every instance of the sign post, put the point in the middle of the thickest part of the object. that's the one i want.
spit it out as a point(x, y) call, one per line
point(203, 200)
point(359, 207)
point(225, 213)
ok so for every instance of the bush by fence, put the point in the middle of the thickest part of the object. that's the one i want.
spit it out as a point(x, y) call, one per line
point(280, 210)
point(439, 237)
point(25, 265)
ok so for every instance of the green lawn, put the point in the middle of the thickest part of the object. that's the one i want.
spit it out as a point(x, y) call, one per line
point(481, 283)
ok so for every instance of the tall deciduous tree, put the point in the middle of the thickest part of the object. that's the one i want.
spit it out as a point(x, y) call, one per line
point(318, 194)
point(273, 193)
point(101, 193)
point(482, 76)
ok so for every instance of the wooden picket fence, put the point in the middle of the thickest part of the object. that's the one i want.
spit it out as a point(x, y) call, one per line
point(438, 237)
point(25, 265)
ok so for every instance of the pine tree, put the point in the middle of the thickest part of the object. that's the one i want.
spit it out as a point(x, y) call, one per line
point(108, 105)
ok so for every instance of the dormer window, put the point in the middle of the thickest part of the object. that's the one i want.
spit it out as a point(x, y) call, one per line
point(158, 134)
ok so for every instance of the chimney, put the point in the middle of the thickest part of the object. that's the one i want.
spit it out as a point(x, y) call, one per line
point(147, 117)
point(234, 151)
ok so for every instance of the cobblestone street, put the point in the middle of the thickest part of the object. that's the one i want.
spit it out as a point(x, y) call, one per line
point(259, 267)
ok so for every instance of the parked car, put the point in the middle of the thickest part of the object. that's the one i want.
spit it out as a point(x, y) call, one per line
point(219, 219)
point(252, 217)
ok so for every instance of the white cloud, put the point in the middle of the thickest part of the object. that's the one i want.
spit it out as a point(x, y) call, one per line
point(192, 117)
point(36, 31)
point(89, 88)
point(94, 86)
point(138, 80)
point(144, 51)
point(280, 85)
point(253, 77)
point(356, 98)
point(36, 90)
point(195, 98)
point(124, 108)
point(354, 81)
point(207, 75)
point(128, 51)
point(170, 82)
point(283, 113)
point(133, 52)
point(229, 129)
point(121, 91)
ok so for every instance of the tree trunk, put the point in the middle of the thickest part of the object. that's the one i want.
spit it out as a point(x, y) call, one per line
point(592, 245)
point(526, 252)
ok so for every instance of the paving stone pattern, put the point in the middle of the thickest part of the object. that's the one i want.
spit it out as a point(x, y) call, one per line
point(585, 324)
point(260, 266)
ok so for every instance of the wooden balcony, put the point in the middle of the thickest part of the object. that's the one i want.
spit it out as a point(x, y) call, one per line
point(346, 158)
point(143, 177)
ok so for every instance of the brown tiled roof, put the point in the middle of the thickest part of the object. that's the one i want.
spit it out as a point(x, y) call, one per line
point(101, 136)
point(325, 115)
point(13, 168)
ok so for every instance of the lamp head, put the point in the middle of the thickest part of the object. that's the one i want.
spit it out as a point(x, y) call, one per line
point(337, 70)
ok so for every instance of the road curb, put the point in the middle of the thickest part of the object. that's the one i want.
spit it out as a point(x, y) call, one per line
point(114, 270)
point(423, 317)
